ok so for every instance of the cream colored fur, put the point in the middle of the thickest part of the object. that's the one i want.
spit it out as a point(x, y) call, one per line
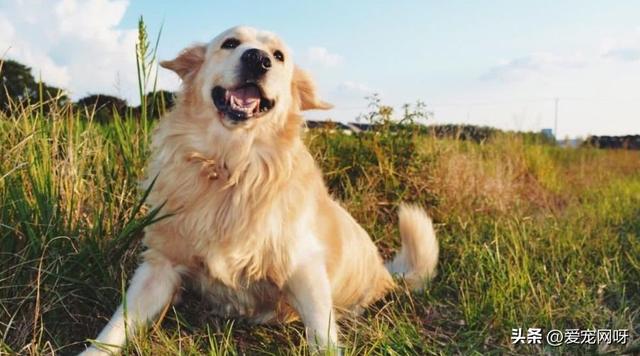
point(264, 239)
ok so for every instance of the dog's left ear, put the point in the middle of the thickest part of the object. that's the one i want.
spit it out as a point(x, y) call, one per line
point(187, 62)
point(304, 92)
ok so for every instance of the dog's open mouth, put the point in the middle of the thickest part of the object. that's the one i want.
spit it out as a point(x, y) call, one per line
point(241, 103)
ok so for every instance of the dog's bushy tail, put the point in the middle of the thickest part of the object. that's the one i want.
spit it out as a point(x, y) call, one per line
point(418, 256)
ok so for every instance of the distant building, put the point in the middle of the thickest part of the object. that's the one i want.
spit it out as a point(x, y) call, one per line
point(571, 143)
point(330, 126)
point(360, 127)
point(345, 128)
point(548, 133)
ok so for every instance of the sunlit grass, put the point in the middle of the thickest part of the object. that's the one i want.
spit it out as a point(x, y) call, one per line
point(531, 235)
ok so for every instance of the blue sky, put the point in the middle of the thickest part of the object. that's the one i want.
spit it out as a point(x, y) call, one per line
point(498, 63)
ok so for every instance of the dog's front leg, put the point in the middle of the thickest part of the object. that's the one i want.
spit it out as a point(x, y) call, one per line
point(152, 287)
point(309, 292)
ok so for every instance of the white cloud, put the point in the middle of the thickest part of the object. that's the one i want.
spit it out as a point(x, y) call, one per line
point(74, 44)
point(625, 54)
point(350, 94)
point(597, 92)
point(353, 87)
point(623, 48)
point(349, 100)
point(321, 56)
point(534, 64)
point(18, 47)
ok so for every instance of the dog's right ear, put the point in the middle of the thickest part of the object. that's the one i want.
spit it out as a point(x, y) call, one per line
point(187, 62)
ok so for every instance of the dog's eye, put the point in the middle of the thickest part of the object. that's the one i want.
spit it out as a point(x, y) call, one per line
point(230, 43)
point(279, 56)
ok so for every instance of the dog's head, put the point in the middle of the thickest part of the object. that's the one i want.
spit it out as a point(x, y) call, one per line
point(244, 78)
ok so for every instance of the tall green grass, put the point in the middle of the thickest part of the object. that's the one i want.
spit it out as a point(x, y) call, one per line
point(532, 235)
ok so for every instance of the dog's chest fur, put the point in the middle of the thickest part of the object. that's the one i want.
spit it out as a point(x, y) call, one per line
point(238, 228)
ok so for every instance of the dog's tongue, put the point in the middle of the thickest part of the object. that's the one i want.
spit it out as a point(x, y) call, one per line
point(246, 98)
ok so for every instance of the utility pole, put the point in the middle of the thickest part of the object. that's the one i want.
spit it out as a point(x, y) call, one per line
point(555, 125)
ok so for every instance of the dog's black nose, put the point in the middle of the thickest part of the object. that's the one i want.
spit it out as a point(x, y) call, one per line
point(256, 62)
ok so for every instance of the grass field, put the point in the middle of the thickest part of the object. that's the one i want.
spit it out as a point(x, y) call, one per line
point(532, 235)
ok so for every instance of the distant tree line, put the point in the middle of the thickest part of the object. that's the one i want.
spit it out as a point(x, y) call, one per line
point(473, 133)
point(628, 142)
point(19, 88)
point(482, 133)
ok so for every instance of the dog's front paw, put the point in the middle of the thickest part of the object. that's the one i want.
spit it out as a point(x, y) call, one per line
point(328, 351)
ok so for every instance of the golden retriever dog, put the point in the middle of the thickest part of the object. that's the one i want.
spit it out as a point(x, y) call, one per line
point(253, 225)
